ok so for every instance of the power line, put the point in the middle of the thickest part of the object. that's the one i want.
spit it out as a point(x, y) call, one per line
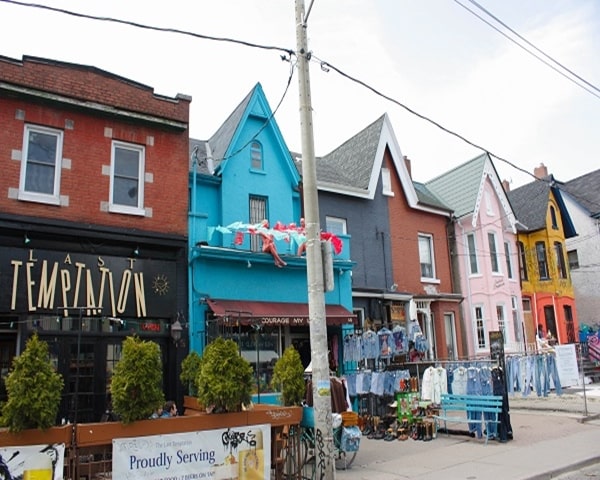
point(532, 46)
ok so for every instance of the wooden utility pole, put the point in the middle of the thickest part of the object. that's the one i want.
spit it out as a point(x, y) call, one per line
point(321, 383)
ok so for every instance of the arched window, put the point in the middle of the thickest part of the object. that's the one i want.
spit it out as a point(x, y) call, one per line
point(553, 218)
point(256, 156)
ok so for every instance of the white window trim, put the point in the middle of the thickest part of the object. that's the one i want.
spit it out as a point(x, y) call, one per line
point(386, 182)
point(116, 208)
point(498, 262)
point(260, 158)
point(500, 307)
point(336, 221)
point(478, 272)
point(54, 198)
point(475, 336)
point(429, 237)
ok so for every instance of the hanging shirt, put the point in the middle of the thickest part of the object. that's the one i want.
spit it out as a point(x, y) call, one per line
point(386, 345)
point(370, 345)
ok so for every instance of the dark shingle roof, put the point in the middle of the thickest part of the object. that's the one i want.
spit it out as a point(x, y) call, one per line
point(586, 191)
point(530, 204)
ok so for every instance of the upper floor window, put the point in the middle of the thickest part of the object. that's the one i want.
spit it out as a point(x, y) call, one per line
point(426, 256)
point(256, 156)
point(257, 213)
point(493, 252)
point(560, 260)
point(335, 225)
point(41, 164)
point(508, 254)
point(386, 181)
point(127, 178)
point(489, 205)
point(473, 265)
point(522, 262)
point(526, 304)
point(553, 218)
point(542, 260)
point(573, 259)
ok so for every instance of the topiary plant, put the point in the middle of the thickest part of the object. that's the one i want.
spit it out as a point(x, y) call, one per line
point(136, 386)
point(189, 372)
point(34, 389)
point(288, 377)
point(225, 379)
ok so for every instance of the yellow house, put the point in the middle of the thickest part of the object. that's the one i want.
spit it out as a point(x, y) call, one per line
point(546, 288)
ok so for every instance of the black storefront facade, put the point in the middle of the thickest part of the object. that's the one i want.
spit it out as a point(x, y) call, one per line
point(84, 289)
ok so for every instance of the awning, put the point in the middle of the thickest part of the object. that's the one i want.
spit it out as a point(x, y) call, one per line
point(244, 312)
point(264, 356)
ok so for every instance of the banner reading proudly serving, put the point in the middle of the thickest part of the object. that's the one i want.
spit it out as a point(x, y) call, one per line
point(240, 453)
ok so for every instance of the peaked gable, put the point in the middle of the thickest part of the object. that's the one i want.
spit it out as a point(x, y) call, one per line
point(213, 155)
point(462, 188)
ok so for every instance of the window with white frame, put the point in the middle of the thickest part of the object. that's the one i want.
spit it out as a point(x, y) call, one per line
point(508, 254)
point(426, 256)
point(493, 252)
point(479, 326)
point(386, 182)
point(489, 206)
point(472, 248)
point(256, 156)
point(257, 213)
point(335, 225)
point(500, 314)
point(40, 165)
point(127, 178)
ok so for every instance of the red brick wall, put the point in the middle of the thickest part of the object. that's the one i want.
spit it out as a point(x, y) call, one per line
point(89, 150)
point(405, 225)
point(86, 83)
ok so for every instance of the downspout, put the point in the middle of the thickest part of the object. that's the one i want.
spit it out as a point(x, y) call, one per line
point(469, 299)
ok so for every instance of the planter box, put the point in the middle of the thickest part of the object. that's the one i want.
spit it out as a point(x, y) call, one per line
point(275, 415)
point(62, 434)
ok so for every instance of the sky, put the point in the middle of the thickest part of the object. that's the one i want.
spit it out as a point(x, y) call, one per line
point(432, 56)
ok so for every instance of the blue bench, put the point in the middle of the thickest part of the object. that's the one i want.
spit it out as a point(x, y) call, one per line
point(473, 408)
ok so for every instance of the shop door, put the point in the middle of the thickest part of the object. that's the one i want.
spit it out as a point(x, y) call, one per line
point(81, 391)
point(550, 321)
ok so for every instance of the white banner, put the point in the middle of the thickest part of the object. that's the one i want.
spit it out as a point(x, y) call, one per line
point(566, 364)
point(241, 453)
point(47, 461)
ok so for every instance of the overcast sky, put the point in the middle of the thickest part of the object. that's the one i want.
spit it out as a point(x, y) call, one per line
point(431, 55)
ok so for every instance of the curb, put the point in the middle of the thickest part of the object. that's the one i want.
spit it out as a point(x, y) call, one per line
point(566, 469)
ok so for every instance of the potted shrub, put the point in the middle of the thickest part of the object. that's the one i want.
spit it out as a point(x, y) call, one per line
point(34, 389)
point(224, 379)
point(136, 386)
point(288, 377)
point(189, 372)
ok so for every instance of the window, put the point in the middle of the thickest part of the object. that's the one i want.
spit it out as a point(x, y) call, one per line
point(258, 212)
point(493, 252)
point(507, 253)
point(479, 327)
point(542, 259)
point(256, 156)
point(473, 266)
point(501, 321)
point(335, 225)
point(489, 206)
point(522, 262)
point(386, 182)
point(426, 256)
point(526, 304)
point(127, 179)
point(553, 218)
point(573, 259)
point(41, 164)
point(560, 260)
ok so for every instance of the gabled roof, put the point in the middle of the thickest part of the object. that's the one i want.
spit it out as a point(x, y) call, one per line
point(530, 203)
point(212, 154)
point(585, 190)
point(462, 189)
point(354, 168)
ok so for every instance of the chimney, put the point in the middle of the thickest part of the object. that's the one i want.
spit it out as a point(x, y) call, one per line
point(541, 171)
point(506, 185)
point(407, 163)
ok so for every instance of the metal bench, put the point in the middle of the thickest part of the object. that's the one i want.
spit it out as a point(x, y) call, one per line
point(451, 405)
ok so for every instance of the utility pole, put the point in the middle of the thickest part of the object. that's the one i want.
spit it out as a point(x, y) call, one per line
point(321, 384)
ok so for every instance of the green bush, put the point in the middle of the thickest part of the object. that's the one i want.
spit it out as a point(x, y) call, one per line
point(189, 372)
point(136, 386)
point(34, 389)
point(225, 378)
point(288, 377)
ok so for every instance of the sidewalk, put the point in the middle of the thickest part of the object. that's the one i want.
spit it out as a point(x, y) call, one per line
point(551, 436)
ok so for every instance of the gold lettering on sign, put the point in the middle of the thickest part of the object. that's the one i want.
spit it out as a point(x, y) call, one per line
point(74, 282)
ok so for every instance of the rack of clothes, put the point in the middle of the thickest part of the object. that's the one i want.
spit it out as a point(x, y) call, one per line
point(537, 372)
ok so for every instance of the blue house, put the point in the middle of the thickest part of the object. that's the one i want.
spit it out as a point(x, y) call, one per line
point(242, 175)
